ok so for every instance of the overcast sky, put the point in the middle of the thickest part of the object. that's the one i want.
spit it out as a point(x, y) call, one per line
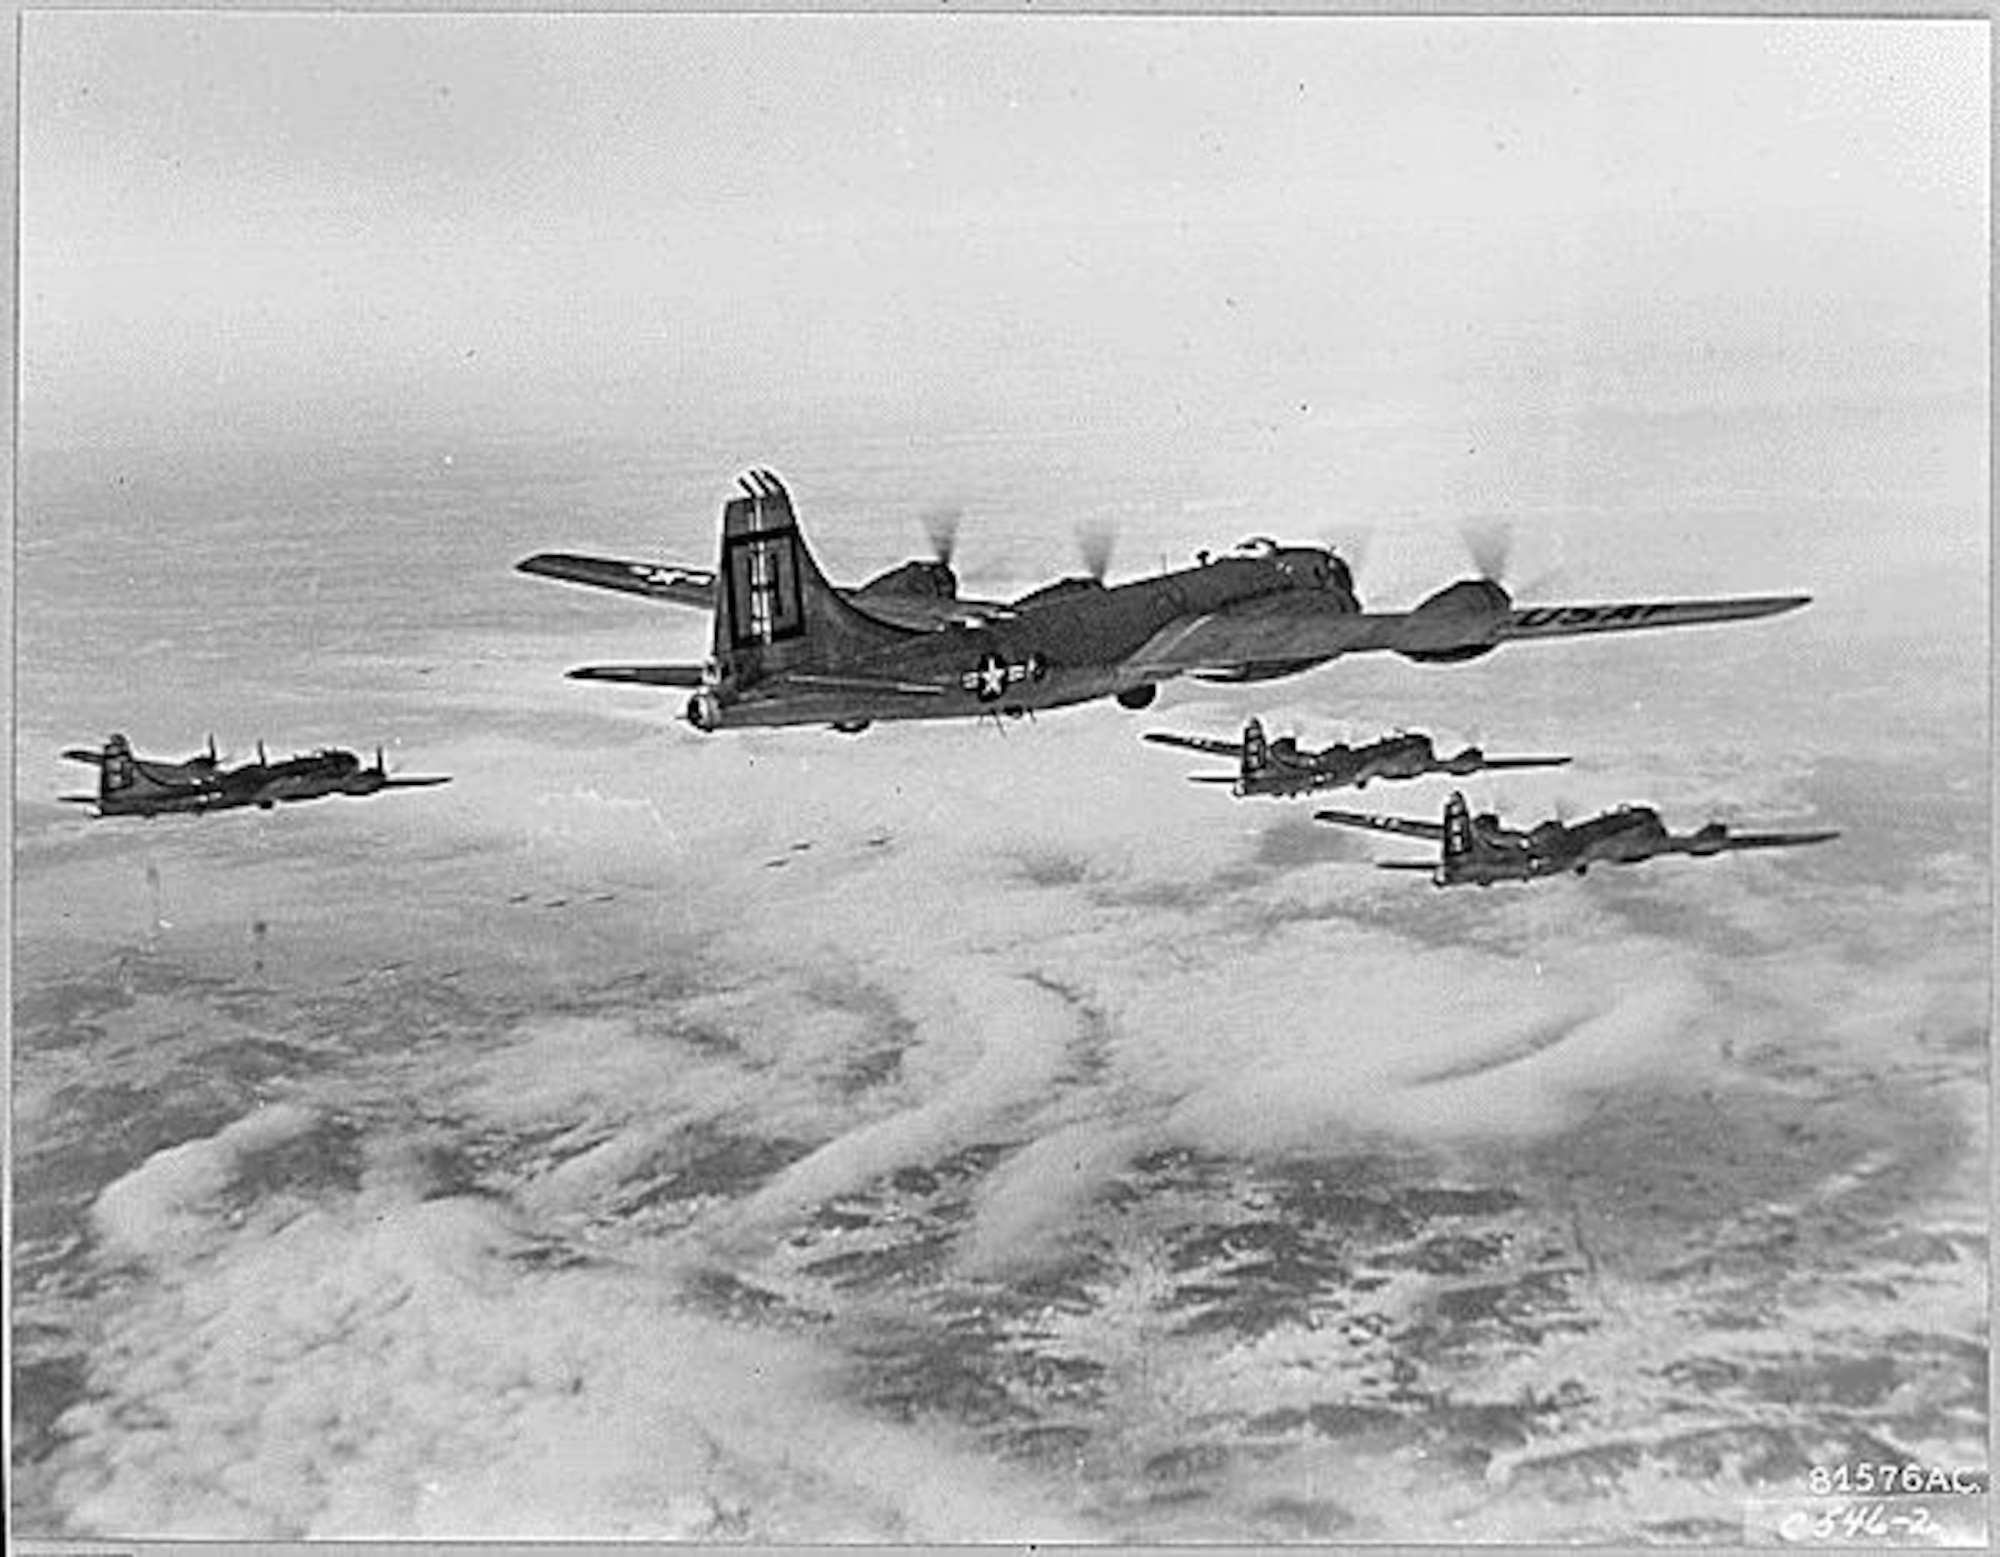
point(413, 215)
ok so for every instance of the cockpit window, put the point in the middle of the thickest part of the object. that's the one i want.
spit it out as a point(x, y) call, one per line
point(1256, 546)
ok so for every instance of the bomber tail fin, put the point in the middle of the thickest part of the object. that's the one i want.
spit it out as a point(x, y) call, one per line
point(118, 773)
point(774, 609)
point(1256, 750)
point(1458, 841)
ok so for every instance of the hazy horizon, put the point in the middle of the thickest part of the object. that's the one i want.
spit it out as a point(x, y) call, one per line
point(241, 225)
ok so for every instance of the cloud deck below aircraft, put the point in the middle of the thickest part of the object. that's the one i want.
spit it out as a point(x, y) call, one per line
point(863, 1096)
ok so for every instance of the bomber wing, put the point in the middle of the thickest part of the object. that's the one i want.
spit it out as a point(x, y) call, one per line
point(696, 587)
point(925, 613)
point(1408, 827)
point(1756, 841)
point(1200, 743)
point(1568, 621)
point(654, 580)
point(1278, 633)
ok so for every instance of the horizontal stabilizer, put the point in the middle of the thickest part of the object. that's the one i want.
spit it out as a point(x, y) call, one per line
point(641, 675)
point(1198, 743)
point(1525, 762)
point(1422, 865)
point(422, 782)
point(1212, 778)
point(1407, 826)
point(655, 581)
point(84, 754)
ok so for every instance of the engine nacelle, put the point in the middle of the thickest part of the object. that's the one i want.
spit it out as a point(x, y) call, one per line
point(1709, 840)
point(1456, 623)
point(1061, 589)
point(921, 580)
point(1138, 697)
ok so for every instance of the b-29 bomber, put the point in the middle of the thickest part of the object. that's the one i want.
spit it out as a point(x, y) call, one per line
point(789, 648)
point(1277, 767)
point(129, 785)
point(1478, 850)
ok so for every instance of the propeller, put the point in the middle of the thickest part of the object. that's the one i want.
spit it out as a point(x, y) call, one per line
point(1350, 543)
point(941, 527)
point(1552, 579)
point(1490, 542)
point(1096, 539)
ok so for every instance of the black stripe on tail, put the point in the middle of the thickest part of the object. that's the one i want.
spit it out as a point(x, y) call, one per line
point(774, 609)
point(1457, 828)
point(1256, 754)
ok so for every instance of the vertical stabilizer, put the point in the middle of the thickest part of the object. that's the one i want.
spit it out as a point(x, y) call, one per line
point(774, 609)
point(1256, 753)
point(117, 773)
point(1457, 829)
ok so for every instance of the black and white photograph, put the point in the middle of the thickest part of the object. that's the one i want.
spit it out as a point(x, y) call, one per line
point(793, 778)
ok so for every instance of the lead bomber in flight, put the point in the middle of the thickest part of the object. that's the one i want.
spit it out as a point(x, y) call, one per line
point(1278, 767)
point(128, 785)
point(1477, 850)
point(788, 648)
